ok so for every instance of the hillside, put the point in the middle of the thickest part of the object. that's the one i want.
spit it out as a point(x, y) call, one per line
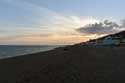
point(112, 39)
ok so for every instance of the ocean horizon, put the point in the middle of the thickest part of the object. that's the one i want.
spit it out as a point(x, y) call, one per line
point(7, 51)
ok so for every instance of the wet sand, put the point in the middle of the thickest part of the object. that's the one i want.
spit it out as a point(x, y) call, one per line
point(71, 64)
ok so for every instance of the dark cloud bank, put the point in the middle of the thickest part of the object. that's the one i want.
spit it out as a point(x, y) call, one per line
point(105, 27)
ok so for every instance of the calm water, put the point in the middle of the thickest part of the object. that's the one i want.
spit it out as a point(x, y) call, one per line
point(11, 51)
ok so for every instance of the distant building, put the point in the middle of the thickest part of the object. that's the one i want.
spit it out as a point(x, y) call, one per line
point(111, 41)
point(115, 39)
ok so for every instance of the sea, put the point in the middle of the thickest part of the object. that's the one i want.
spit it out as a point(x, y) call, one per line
point(19, 50)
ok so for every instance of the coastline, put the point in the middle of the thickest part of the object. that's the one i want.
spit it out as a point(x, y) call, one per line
point(19, 50)
point(70, 64)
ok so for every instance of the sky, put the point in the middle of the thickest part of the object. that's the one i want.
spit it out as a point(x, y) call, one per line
point(55, 22)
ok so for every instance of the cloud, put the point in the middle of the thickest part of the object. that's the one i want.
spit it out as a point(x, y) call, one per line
point(106, 27)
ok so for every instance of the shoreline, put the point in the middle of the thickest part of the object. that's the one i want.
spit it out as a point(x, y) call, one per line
point(13, 51)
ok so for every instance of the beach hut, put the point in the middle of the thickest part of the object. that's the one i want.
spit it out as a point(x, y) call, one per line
point(108, 41)
point(113, 41)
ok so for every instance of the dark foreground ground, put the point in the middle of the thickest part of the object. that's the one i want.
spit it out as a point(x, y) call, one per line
point(73, 64)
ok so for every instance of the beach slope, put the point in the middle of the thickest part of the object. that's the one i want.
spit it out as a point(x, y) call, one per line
point(70, 64)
